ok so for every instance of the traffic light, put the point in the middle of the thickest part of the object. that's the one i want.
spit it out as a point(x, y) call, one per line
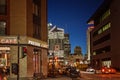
point(15, 68)
point(24, 51)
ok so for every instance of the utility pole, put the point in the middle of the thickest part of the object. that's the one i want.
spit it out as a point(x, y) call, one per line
point(18, 38)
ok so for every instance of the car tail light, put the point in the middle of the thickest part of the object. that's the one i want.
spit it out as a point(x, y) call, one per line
point(109, 70)
point(103, 70)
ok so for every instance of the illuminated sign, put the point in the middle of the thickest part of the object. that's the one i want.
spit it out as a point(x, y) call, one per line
point(37, 44)
point(8, 41)
point(33, 43)
point(4, 48)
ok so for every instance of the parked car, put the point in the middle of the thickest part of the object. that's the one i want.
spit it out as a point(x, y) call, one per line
point(108, 70)
point(90, 69)
point(73, 72)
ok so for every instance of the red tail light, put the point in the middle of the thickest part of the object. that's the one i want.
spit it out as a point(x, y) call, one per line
point(103, 70)
point(109, 70)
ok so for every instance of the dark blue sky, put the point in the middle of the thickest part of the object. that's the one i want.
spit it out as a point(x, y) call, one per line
point(72, 16)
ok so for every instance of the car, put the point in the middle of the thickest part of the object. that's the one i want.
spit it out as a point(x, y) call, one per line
point(109, 70)
point(73, 72)
point(90, 69)
point(62, 71)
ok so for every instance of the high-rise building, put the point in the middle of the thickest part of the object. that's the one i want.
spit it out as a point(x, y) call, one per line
point(67, 45)
point(56, 42)
point(90, 28)
point(105, 43)
point(23, 37)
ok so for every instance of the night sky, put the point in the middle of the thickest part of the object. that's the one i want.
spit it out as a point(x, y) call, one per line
point(72, 15)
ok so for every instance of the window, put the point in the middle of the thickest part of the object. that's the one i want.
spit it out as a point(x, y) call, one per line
point(101, 40)
point(2, 28)
point(36, 31)
point(104, 28)
point(105, 15)
point(35, 9)
point(2, 7)
point(102, 50)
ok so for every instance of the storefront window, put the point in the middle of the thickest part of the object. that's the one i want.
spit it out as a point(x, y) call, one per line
point(4, 56)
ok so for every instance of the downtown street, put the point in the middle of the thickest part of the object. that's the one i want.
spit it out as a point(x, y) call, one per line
point(89, 76)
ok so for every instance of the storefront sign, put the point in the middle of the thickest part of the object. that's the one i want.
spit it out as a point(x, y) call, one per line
point(4, 48)
point(33, 43)
point(8, 41)
point(37, 44)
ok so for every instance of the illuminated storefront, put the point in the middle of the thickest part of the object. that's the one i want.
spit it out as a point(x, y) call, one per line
point(31, 63)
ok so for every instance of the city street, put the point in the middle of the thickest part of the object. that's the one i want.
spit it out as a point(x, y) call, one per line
point(89, 76)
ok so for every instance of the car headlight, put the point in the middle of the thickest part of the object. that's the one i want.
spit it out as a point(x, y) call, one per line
point(77, 70)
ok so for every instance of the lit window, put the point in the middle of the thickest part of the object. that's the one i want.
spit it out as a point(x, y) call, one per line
point(104, 28)
point(94, 53)
point(2, 28)
point(105, 15)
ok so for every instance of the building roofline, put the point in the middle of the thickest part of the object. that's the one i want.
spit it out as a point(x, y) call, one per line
point(100, 10)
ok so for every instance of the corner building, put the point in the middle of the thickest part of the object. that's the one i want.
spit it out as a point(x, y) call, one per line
point(105, 50)
point(23, 23)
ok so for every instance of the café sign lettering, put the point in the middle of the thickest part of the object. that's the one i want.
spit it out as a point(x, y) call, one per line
point(8, 41)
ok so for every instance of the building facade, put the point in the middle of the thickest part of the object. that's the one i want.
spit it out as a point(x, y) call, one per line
point(22, 23)
point(56, 42)
point(67, 45)
point(90, 28)
point(105, 49)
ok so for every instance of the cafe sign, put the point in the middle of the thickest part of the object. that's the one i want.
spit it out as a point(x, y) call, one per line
point(8, 40)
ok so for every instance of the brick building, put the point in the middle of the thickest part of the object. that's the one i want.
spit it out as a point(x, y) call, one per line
point(105, 50)
point(23, 24)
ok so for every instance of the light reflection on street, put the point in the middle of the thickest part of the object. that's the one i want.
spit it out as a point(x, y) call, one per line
point(90, 76)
